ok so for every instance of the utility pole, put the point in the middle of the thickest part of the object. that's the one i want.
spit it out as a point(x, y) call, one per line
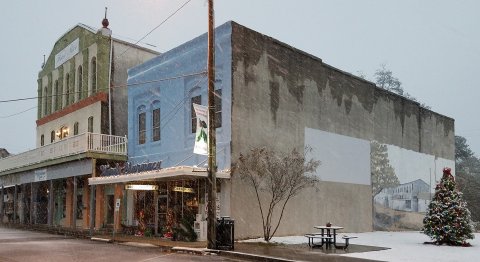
point(212, 178)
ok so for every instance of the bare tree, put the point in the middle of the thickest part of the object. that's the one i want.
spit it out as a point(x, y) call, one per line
point(280, 177)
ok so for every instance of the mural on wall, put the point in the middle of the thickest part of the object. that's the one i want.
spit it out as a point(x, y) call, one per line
point(402, 180)
point(403, 183)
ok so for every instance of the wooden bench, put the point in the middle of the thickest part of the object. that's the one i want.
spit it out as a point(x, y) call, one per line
point(347, 239)
point(324, 239)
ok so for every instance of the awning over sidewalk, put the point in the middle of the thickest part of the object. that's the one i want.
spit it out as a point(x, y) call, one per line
point(171, 173)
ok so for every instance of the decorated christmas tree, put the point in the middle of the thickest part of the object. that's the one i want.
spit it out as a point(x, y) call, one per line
point(448, 219)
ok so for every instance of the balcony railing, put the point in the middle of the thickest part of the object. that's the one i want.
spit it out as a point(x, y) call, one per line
point(87, 142)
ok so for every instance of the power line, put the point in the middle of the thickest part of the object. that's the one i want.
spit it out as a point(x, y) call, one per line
point(100, 89)
point(26, 110)
point(151, 31)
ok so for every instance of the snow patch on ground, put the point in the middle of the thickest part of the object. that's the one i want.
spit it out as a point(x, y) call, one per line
point(404, 246)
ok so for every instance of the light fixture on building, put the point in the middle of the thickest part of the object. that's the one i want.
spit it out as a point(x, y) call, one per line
point(141, 187)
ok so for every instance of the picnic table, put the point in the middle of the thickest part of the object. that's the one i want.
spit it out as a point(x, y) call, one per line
point(328, 236)
point(329, 231)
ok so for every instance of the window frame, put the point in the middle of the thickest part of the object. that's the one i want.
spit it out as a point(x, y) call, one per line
point(90, 124)
point(142, 128)
point(193, 116)
point(156, 120)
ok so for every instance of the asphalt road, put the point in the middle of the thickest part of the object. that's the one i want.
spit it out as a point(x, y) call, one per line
point(25, 246)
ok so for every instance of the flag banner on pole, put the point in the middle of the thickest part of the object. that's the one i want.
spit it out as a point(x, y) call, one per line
point(201, 136)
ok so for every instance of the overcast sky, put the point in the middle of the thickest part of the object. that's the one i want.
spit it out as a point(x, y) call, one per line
point(432, 46)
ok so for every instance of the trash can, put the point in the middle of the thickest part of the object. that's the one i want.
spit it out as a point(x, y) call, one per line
point(225, 233)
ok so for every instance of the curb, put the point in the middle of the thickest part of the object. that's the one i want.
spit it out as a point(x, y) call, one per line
point(206, 251)
point(101, 239)
point(254, 257)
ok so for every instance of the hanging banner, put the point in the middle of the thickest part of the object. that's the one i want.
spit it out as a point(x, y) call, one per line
point(201, 136)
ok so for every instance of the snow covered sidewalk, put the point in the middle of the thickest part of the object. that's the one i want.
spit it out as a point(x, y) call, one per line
point(404, 246)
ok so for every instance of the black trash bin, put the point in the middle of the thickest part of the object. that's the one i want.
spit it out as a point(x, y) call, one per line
point(225, 233)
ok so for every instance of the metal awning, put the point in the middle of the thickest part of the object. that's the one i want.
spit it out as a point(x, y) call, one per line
point(170, 173)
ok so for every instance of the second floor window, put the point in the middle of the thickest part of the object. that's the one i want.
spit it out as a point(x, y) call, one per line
point(75, 129)
point(90, 124)
point(42, 140)
point(94, 75)
point(141, 128)
point(80, 83)
point(218, 108)
point(195, 100)
point(67, 89)
point(52, 136)
point(156, 125)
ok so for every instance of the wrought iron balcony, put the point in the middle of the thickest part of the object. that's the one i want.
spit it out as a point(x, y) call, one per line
point(75, 145)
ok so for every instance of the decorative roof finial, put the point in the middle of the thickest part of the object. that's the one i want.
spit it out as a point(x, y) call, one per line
point(105, 20)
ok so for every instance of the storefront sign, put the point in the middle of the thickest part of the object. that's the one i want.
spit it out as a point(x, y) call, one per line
point(128, 168)
point(141, 187)
point(40, 175)
point(67, 53)
point(201, 137)
point(183, 189)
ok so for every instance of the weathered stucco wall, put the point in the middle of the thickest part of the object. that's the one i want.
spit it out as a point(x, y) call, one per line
point(279, 91)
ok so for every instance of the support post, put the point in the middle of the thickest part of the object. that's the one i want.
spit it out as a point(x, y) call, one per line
point(155, 200)
point(74, 203)
point(1, 203)
point(33, 214)
point(23, 205)
point(92, 209)
point(51, 197)
point(212, 185)
point(15, 205)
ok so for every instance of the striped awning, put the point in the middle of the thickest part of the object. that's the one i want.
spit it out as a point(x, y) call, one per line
point(170, 173)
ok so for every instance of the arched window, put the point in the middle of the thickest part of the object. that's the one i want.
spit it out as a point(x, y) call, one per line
point(63, 132)
point(52, 136)
point(45, 101)
point(42, 140)
point(142, 125)
point(75, 129)
point(55, 98)
point(156, 121)
point(90, 124)
point(80, 82)
point(94, 75)
point(67, 89)
point(194, 100)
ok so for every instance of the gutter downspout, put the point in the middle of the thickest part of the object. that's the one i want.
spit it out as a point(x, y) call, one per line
point(110, 88)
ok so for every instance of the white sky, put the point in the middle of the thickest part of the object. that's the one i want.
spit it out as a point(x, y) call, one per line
point(432, 46)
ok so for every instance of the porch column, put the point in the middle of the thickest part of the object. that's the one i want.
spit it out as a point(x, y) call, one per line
point(23, 204)
point(51, 197)
point(155, 200)
point(117, 215)
point(92, 210)
point(68, 204)
point(99, 206)
point(31, 204)
point(1, 204)
point(15, 202)
point(86, 205)
point(74, 203)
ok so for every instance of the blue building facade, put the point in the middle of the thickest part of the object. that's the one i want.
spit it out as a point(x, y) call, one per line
point(170, 83)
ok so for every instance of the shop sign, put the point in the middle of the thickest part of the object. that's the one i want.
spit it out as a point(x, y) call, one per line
point(141, 187)
point(183, 189)
point(68, 52)
point(128, 168)
point(40, 175)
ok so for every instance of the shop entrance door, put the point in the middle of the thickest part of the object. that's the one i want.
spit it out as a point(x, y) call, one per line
point(110, 208)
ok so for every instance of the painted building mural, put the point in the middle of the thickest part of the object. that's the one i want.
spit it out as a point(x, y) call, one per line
point(402, 180)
